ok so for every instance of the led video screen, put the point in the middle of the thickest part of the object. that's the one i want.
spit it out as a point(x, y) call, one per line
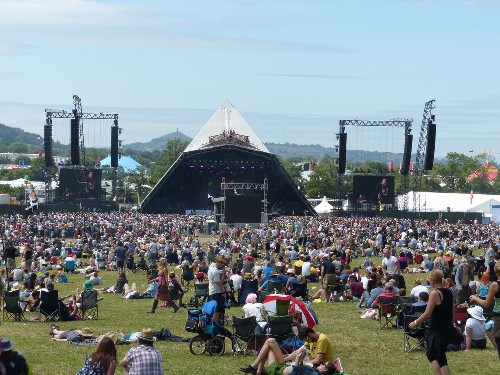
point(373, 189)
point(79, 183)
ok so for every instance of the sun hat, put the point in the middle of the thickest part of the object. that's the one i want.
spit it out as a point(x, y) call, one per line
point(291, 271)
point(86, 332)
point(5, 345)
point(476, 312)
point(15, 287)
point(248, 276)
point(146, 335)
point(221, 259)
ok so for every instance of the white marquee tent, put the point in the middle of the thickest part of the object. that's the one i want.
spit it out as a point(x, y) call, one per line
point(453, 202)
point(324, 207)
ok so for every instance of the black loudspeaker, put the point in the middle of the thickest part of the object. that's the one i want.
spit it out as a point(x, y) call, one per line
point(405, 168)
point(114, 147)
point(431, 145)
point(47, 145)
point(342, 152)
point(75, 142)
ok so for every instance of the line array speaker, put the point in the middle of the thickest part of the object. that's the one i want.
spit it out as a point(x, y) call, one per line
point(47, 145)
point(431, 145)
point(342, 152)
point(114, 147)
point(75, 142)
point(405, 168)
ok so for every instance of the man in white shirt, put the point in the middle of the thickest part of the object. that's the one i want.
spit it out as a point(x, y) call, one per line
point(418, 288)
point(390, 263)
point(237, 280)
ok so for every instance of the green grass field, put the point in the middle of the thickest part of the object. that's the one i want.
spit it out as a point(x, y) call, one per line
point(361, 345)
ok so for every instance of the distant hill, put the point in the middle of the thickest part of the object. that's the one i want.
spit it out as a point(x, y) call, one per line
point(11, 135)
point(156, 143)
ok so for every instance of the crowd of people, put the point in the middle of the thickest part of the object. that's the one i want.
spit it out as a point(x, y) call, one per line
point(242, 265)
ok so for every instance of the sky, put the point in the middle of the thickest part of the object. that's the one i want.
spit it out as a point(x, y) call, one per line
point(293, 69)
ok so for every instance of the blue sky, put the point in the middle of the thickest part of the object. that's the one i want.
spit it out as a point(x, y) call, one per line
point(292, 68)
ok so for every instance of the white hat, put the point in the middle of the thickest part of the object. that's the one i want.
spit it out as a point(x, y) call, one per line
point(16, 286)
point(476, 312)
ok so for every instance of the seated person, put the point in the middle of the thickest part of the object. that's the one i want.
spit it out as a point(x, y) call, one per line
point(175, 288)
point(273, 279)
point(254, 308)
point(150, 292)
point(320, 346)
point(388, 293)
point(475, 329)
point(422, 299)
point(355, 289)
point(292, 279)
point(271, 354)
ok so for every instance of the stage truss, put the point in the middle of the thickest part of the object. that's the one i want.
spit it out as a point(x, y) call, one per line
point(406, 123)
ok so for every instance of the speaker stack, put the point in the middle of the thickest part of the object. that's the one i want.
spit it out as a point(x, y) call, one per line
point(342, 152)
point(114, 146)
point(75, 142)
point(47, 145)
point(405, 168)
point(431, 144)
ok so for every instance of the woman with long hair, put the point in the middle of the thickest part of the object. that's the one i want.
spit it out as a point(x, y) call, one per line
point(440, 310)
point(102, 361)
point(162, 293)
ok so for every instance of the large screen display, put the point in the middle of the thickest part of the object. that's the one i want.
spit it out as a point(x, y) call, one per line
point(243, 209)
point(79, 183)
point(373, 189)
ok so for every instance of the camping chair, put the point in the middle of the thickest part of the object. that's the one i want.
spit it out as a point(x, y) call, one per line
point(282, 307)
point(187, 276)
point(388, 309)
point(89, 308)
point(299, 290)
point(461, 315)
point(70, 266)
point(244, 335)
point(12, 309)
point(49, 305)
point(280, 328)
point(335, 291)
point(200, 295)
point(274, 287)
point(413, 338)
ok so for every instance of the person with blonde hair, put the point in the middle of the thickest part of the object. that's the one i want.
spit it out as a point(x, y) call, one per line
point(440, 310)
point(493, 297)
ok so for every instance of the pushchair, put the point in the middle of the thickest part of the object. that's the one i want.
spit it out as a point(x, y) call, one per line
point(210, 335)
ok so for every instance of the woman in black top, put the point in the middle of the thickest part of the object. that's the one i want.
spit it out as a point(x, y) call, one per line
point(440, 310)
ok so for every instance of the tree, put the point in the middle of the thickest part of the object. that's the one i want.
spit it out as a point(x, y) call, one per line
point(323, 180)
point(173, 149)
point(293, 171)
point(454, 174)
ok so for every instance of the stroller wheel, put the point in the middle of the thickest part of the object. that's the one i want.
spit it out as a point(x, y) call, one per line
point(216, 346)
point(197, 345)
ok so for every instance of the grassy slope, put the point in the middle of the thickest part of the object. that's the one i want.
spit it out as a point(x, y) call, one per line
point(361, 345)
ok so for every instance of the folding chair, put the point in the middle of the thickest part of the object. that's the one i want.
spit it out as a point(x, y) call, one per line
point(49, 305)
point(282, 307)
point(12, 309)
point(274, 287)
point(200, 295)
point(89, 308)
point(335, 291)
point(187, 276)
point(244, 336)
point(299, 290)
point(388, 311)
point(280, 328)
point(413, 338)
point(461, 315)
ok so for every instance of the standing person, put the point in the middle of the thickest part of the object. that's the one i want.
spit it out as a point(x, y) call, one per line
point(102, 361)
point(162, 293)
point(216, 285)
point(120, 254)
point(390, 264)
point(493, 298)
point(11, 252)
point(463, 277)
point(28, 256)
point(144, 359)
point(440, 310)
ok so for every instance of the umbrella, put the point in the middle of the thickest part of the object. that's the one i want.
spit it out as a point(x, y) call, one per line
point(297, 308)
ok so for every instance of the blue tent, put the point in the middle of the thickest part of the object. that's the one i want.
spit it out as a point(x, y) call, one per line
point(126, 162)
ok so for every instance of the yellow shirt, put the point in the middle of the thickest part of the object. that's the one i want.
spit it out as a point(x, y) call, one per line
point(324, 346)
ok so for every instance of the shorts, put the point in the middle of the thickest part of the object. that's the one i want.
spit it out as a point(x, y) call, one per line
point(11, 263)
point(275, 368)
point(437, 342)
point(120, 263)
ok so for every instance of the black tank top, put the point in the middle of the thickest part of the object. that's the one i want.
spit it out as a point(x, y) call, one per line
point(442, 314)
